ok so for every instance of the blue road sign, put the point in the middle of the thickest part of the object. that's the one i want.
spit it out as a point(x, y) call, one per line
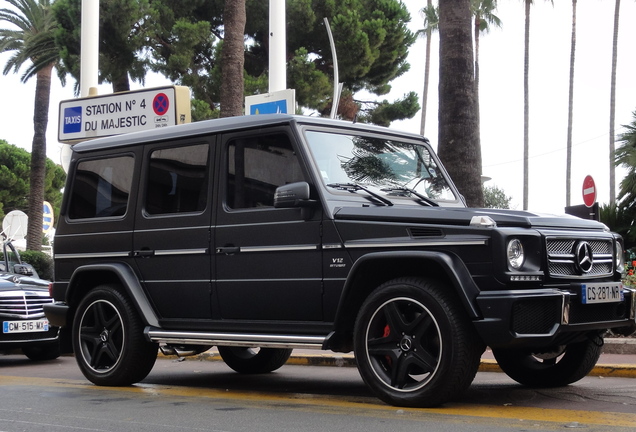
point(47, 216)
point(274, 107)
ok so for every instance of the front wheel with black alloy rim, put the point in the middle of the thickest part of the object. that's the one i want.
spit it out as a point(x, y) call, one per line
point(414, 345)
point(254, 360)
point(553, 367)
point(108, 340)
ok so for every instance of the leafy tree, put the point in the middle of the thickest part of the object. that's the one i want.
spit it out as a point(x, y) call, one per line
point(31, 40)
point(182, 40)
point(124, 28)
point(185, 48)
point(495, 197)
point(14, 175)
point(620, 220)
point(458, 131)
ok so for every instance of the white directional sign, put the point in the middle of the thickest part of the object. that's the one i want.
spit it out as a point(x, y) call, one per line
point(99, 116)
point(283, 101)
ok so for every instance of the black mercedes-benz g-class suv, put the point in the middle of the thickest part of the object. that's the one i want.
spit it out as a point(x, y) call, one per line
point(261, 234)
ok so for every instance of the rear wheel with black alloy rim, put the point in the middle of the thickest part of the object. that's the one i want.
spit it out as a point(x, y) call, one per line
point(108, 340)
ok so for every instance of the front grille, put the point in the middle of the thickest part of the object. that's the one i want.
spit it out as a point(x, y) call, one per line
point(584, 314)
point(536, 316)
point(23, 304)
point(562, 260)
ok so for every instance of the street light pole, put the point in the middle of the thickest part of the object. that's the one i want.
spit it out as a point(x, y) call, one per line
point(89, 51)
point(277, 46)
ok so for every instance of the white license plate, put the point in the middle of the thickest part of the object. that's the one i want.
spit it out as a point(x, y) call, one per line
point(29, 326)
point(602, 292)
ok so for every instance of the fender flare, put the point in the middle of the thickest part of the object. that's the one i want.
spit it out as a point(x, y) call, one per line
point(451, 265)
point(129, 282)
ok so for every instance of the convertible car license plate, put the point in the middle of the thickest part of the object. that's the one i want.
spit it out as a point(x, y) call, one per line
point(29, 326)
point(602, 292)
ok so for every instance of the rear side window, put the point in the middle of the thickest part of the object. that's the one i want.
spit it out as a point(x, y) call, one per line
point(177, 180)
point(101, 188)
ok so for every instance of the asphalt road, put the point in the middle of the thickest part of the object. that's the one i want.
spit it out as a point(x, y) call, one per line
point(207, 395)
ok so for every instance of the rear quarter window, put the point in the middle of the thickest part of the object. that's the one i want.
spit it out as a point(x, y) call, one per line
point(101, 188)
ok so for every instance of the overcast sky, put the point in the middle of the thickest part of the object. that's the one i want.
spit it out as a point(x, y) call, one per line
point(501, 97)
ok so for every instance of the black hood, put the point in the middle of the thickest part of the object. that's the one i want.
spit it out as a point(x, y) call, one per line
point(463, 216)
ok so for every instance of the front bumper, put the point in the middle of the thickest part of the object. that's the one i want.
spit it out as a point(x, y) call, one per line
point(543, 317)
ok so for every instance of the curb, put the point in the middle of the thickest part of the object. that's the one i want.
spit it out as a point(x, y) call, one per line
point(620, 346)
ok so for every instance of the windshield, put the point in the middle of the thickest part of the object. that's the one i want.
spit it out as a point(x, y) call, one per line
point(392, 168)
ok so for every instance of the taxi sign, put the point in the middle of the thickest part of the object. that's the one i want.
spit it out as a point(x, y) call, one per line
point(99, 116)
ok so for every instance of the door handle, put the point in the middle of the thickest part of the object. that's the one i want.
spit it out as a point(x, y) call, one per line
point(144, 253)
point(228, 250)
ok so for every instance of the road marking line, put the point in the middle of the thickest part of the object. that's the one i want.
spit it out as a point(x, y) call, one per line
point(327, 403)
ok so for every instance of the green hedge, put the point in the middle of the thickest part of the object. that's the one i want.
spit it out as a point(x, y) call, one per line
point(41, 262)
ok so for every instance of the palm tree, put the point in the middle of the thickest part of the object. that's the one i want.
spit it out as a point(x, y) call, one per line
point(233, 58)
point(458, 141)
point(568, 170)
point(32, 42)
point(612, 171)
point(626, 156)
point(483, 11)
point(431, 22)
point(526, 101)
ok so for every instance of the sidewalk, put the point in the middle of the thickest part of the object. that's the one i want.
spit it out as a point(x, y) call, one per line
point(618, 359)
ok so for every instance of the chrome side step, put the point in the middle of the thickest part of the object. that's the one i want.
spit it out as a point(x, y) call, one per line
point(234, 339)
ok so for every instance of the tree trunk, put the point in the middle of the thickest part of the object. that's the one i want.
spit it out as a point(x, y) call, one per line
point(612, 149)
point(122, 83)
point(233, 59)
point(568, 170)
point(526, 106)
point(38, 158)
point(458, 137)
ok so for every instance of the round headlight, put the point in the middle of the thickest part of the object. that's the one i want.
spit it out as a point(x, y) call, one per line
point(515, 254)
point(620, 258)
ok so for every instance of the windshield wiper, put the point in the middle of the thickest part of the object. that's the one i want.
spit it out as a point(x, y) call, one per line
point(421, 197)
point(352, 187)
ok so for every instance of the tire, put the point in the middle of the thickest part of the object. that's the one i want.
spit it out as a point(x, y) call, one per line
point(42, 352)
point(555, 368)
point(254, 360)
point(414, 345)
point(108, 340)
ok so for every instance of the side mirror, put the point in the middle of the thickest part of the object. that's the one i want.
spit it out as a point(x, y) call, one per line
point(24, 269)
point(292, 195)
point(295, 195)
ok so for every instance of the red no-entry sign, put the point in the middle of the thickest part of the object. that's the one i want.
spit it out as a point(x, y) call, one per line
point(589, 191)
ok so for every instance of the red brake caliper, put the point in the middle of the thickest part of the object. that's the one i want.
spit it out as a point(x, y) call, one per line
point(387, 332)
